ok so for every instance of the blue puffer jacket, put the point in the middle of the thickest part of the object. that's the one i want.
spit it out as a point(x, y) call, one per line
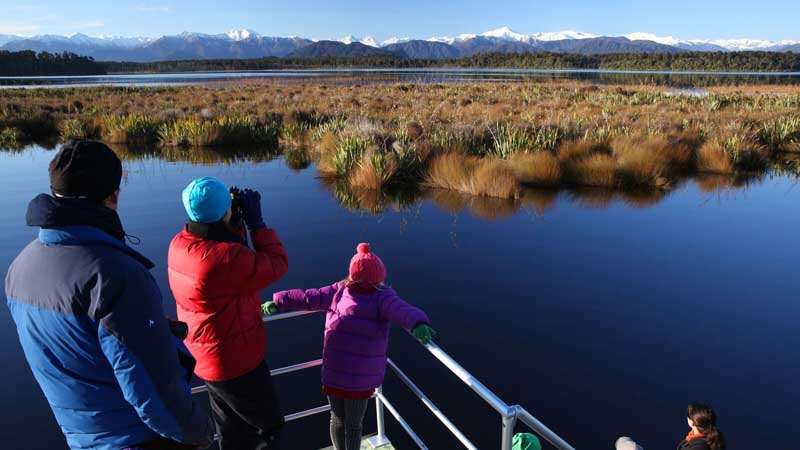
point(90, 321)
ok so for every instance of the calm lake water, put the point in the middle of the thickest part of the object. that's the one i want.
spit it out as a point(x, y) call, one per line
point(603, 316)
point(368, 76)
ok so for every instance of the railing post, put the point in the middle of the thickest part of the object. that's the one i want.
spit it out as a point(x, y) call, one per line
point(509, 422)
point(380, 439)
point(379, 414)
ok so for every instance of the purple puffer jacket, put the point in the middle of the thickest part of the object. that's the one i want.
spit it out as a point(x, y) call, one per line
point(356, 330)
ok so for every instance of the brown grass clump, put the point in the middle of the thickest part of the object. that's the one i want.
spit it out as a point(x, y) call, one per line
point(536, 169)
point(576, 150)
point(485, 176)
point(450, 171)
point(597, 170)
point(653, 161)
point(711, 158)
point(374, 170)
point(328, 143)
point(494, 178)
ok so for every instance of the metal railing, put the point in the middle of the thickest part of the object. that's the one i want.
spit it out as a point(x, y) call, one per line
point(510, 415)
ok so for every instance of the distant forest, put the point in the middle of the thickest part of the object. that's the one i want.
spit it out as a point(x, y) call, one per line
point(30, 63)
point(684, 61)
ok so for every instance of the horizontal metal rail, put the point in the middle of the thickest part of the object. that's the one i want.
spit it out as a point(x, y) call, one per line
point(286, 315)
point(510, 414)
point(402, 422)
point(274, 372)
point(431, 406)
point(308, 412)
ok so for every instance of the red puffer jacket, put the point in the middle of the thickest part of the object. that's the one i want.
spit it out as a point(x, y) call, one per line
point(216, 284)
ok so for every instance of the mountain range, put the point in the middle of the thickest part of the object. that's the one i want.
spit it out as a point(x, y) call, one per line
point(240, 44)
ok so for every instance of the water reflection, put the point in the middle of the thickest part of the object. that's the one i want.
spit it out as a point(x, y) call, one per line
point(204, 155)
point(534, 201)
point(391, 76)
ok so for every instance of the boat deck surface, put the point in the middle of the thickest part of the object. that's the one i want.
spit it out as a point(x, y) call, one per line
point(366, 445)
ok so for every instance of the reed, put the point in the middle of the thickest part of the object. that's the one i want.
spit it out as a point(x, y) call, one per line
point(10, 138)
point(131, 129)
point(781, 133)
point(77, 128)
point(347, 155)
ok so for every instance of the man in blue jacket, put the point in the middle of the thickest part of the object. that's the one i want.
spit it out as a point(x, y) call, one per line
point(90, 318)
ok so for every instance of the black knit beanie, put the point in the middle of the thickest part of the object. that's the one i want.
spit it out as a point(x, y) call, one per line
point(84, 168)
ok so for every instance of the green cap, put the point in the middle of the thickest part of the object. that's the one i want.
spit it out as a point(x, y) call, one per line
point(525, 441)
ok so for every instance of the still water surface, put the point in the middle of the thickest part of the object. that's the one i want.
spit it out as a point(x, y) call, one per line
point(372, 76)
point(602, 318)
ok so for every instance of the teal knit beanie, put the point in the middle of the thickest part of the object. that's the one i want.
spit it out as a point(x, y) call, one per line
point(206, 200)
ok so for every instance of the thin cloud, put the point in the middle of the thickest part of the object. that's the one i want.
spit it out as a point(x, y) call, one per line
point(153, 8)
point(16, 28)
point(94, 24)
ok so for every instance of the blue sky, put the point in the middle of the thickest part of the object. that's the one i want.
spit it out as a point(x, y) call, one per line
point(765, 19)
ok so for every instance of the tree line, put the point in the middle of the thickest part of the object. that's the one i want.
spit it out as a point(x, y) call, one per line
point(27, 63)
point(684, 61)
point(30, 63)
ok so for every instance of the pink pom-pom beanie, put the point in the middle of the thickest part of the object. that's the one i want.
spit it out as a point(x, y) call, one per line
point(366, 267)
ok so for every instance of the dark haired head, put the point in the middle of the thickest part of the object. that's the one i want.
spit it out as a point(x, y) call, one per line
point(705, 419)
point(85, 169)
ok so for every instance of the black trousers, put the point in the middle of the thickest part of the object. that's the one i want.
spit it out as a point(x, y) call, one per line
point(246, 411)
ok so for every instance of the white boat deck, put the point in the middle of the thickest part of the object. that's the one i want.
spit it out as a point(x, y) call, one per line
point(367, 445)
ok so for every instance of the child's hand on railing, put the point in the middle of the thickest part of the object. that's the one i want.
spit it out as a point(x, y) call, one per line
point(423, 333)
point(269, 308)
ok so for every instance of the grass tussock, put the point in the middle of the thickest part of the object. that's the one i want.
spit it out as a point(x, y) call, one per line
point(594, 170)
point(537, 169)
point(652, 162)
point(474, 176)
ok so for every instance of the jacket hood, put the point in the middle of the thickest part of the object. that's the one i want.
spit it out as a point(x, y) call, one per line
point(79, 222)
point(46, 211)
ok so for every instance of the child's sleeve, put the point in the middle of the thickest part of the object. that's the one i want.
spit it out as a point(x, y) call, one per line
point(399, 312)
point(306, 300)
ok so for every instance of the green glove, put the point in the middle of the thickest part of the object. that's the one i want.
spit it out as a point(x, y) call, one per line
point(423, 333)
point(269, 308)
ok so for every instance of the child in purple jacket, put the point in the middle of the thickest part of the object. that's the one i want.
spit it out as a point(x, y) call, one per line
point(360, 310)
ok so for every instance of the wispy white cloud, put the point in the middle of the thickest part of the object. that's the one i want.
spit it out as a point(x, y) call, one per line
point(94, 24)
point(18, 28)
point(153, 8)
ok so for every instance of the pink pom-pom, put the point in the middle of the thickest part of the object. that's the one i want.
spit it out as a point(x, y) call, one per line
point(363, 248)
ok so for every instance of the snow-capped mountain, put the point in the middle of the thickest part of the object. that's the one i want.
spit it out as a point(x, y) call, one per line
point(6, 38)
point(506, 33)
point(241, 35)
point(247, 43)
point(349, 39)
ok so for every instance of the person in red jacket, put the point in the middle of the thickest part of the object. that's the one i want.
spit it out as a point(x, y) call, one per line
point(215, 279)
